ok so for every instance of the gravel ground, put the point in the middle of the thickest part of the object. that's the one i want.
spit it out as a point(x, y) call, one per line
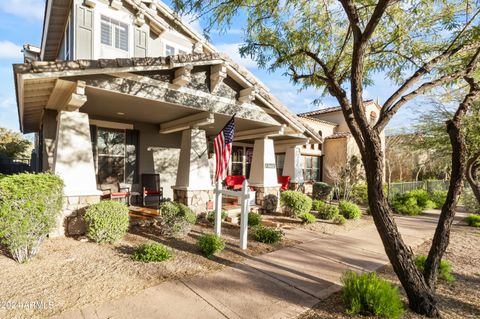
point(460, 299)
point(68, 273)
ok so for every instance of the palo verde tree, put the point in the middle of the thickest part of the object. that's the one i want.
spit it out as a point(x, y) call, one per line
point(433, 137)
point(337, 47)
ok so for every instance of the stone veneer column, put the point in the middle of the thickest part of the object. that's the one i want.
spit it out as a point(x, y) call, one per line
point(73, 162)
point(293, 165)
point(263, 174)
point(194, 185)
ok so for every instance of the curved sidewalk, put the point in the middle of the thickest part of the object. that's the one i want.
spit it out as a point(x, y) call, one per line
point(281, 284)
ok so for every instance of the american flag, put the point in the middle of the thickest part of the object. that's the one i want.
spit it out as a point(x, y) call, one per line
point(223, 148)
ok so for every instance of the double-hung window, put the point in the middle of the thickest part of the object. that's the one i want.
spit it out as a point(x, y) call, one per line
point(312, 168)
point(114, 33)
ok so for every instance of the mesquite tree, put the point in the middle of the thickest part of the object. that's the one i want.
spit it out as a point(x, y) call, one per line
point(337, 47)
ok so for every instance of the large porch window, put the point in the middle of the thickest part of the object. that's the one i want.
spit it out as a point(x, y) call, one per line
point(111, 155)
point(115, 154)
point(241, 160)
point(280, 163)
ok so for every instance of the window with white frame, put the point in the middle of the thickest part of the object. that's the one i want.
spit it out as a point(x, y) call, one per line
point(114, 33)
point(169, 50)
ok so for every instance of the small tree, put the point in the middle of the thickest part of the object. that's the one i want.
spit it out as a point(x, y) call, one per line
point(13, 144)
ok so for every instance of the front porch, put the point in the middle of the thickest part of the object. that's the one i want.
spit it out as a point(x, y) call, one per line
point(109, 123)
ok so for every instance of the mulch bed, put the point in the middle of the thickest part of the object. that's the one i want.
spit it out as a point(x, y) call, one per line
point(460, 299)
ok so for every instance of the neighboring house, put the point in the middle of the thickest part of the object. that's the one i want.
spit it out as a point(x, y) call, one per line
point(338, 143)
point(124, 88)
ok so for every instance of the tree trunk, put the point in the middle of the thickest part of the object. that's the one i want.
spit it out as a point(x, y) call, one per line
point(421, 298)
point(441, 238)
point(473, 166)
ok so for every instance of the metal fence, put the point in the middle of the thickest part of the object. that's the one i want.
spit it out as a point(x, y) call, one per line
point(429, 185)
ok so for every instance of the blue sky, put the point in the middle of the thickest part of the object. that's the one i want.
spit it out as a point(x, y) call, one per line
point(22, 23)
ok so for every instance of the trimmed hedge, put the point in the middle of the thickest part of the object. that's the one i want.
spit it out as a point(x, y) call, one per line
point(317, 205)
point(29, 207)
point(210, 244)
point(328, 212)
point(307, 218)
point(107, 221)
point(295, 203)
point(349, 210)
point(366, 294)
point(152, 252)
point(321, 191)
point(267, 235)
point(176, 220)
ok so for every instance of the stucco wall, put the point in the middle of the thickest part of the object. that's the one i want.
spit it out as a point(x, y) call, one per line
point(49, 126)
point(335, 156)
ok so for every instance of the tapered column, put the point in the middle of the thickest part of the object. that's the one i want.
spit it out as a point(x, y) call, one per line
point(293, 165)
point(263, 175)
point(194, 185)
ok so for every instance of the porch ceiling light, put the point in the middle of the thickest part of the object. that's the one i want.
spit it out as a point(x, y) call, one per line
point(120, 113)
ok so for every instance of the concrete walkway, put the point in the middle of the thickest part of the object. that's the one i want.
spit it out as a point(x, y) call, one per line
point(281, 284)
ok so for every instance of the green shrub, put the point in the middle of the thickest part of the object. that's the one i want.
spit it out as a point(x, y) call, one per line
point(211, 216)
point(317, 205)
point(152, 252)
point(254, 219)
point(444, 270)
point(423, 199)
point(470, 202)
point(321, 191)
point(29, 207)
point(210, 244)
point(267, 235)
point(295, 203)
point(107, 221)
point(328, 212)
point(307, 218)
point(176, 219)
point(360, 193)
point(366, 294)
point(439, 197)
point(349, 210)
point(340, 220)
point(473, 220)
point(410, 203)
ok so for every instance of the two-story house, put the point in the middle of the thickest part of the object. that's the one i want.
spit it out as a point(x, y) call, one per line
point(122, 88)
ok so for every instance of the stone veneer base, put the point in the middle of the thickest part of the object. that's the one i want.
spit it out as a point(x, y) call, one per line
point(70, 221)
point(197, 200)
point(261, 192)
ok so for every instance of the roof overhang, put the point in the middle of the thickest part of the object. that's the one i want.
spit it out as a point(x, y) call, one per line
point(54, 23)
point(35, 82)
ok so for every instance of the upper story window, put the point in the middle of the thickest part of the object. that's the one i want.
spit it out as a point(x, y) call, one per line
point(114, 33)
point(169, 50)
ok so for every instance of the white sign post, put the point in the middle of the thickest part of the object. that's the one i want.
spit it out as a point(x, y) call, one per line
point(244, 196)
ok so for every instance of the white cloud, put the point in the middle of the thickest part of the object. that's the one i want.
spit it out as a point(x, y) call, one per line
point(7, 102)
point(193, 21)
point(9, 50)
point(30, 9)
point(232, 50)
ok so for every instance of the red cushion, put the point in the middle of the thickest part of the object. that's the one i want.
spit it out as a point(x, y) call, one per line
point(147, 192)
point(234, 181)
point(120, 194)
point(284, 180)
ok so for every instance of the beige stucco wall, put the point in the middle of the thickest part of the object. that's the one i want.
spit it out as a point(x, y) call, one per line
point(335, 157)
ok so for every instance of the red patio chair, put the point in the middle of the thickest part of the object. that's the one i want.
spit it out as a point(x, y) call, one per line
point(151, 187)
point(234, 182)
point(285, 181)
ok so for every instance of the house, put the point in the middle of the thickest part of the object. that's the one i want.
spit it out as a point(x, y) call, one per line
point(119, 89)
point(338, 143)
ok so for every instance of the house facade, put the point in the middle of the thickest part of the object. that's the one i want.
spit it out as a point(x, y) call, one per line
point(119, 89)
point(338, 143)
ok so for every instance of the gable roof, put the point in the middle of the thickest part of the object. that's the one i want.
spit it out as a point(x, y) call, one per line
point(331, 109)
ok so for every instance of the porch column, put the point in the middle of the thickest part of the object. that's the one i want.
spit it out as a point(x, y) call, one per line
point(73, 162)
point(263, 175)
point(293, 165)
point(194, 185)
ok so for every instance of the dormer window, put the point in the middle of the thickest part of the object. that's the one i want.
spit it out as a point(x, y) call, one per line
point(114, 33)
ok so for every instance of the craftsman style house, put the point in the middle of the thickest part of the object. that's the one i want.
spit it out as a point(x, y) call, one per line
point(122, 89)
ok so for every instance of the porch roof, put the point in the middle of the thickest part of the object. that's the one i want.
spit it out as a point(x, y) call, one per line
point(35, 82)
